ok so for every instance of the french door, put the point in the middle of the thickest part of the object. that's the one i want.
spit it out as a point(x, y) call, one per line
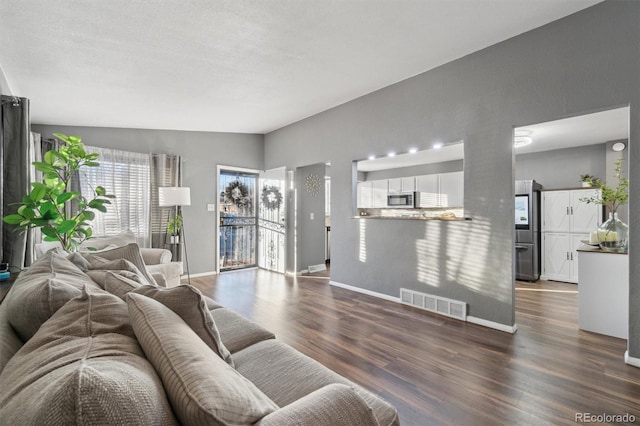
point(271, 220)
point(238, 219)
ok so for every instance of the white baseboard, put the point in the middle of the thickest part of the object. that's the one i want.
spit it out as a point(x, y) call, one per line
point(491, 324)
point(631, 360)
point(365, 291)
point(479, 321)
point(201, 274)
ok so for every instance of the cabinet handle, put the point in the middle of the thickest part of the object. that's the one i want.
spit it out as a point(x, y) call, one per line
point(567, 210)
point(568, 256)
point(571, 256)
point(572, 210)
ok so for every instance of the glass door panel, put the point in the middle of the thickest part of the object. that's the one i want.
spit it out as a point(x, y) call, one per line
point(238, 220)
point(271, 221)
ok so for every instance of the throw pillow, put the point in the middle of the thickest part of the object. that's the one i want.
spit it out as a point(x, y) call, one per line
point(202, 388)
point(188, 303)
point(104, 241)
point(119, 285)
point(41, 290)
point(130, 252)
point(118, 266)
point(84, 366)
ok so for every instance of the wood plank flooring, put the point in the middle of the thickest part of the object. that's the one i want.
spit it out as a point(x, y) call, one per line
point(442, 371)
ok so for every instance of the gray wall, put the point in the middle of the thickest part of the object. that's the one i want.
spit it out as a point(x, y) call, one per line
point(201, 153)
point(584, 63)
point(310, 232)
point(561, 168)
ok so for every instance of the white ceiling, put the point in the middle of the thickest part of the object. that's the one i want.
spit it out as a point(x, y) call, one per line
point(248, 66)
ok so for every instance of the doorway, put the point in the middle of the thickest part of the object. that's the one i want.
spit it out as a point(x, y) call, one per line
point(238, 219)
point(272, 220)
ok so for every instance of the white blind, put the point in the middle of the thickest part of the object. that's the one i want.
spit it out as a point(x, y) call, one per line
point(127, 176)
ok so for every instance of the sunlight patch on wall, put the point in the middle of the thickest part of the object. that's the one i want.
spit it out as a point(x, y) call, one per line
point(428, 255)
point(362, 247)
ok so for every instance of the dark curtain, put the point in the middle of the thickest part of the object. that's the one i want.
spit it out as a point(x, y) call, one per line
point(16, 158)
point(166, 170)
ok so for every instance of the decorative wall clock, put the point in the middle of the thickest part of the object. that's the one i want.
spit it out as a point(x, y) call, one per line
point(312, 184)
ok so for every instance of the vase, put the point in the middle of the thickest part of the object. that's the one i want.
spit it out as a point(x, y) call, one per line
point(613, 235)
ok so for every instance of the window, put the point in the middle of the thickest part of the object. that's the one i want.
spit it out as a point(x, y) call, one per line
point(127, 176)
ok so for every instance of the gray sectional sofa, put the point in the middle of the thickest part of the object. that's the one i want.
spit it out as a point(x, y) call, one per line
point(89, 339)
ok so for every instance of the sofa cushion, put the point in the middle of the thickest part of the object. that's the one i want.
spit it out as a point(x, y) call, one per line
point(236, 331)
point(11, 343)
point(186, 301)
point(118, 266)
point(84, 366)
point(41, 290)
point(101, 242)
point(292, 375)
point(202, 388)
point(130, 252)
point(166, 274)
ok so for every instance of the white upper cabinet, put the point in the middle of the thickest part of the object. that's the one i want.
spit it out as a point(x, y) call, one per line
point(584, 217)
point(452, 189)
point(365, 195)
point(409, 184)
point(429, 188)
point(380, 192)
point(395, 185)
point(564, 212)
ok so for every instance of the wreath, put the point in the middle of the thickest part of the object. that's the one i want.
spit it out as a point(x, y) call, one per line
point(238, 193)
point(271, 197)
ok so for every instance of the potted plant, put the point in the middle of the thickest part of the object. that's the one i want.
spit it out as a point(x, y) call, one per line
point(62, 215)
point(587, 180)
point(612, 234)
point(173, 228)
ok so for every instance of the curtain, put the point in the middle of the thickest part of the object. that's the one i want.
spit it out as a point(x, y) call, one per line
point(166, 170)
point(125, 175)
point(16, 144)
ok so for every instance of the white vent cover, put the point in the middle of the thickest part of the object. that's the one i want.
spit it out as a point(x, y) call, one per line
point(439, 305)
point(317, 268)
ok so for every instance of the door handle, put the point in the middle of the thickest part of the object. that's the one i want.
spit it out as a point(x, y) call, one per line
point(521, 247)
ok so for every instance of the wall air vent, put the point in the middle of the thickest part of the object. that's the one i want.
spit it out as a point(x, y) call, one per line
point(440, 305)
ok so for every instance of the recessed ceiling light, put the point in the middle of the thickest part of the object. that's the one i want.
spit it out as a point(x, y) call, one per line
point(521, 138)
point(438, 145)
point(391, 154)
point(618, 146)
point(372, 157)
point(413, 150)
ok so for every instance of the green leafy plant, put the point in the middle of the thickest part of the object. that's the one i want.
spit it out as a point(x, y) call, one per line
point(174, 225)
point(61, 214)
point(587, 178)
point(610, 197)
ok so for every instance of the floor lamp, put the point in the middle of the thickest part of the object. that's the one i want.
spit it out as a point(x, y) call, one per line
point(177, 196)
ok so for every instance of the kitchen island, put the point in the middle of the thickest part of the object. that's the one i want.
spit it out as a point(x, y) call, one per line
point(603, 292)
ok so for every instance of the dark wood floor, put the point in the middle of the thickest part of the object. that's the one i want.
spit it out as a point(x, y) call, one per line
point(441, 371)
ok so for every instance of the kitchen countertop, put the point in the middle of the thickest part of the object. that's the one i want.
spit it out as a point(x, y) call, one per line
point(449, 219)
point(596, 249)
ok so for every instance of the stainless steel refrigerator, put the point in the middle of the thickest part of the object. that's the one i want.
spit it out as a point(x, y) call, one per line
point(527, 250)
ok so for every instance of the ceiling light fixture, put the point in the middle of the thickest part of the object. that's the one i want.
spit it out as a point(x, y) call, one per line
point(521, 138)
point(391, 154)
point(413, 150)
point(618, 146)
point(438, 145)
point(372, 157)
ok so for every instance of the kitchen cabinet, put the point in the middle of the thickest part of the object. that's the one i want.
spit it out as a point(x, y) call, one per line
point(365, 195)
point(429, 188)
point(562, 211)
point(395, 185)
point(409, 184)
point(565, 222)
point(451, 189)
point(380, 192)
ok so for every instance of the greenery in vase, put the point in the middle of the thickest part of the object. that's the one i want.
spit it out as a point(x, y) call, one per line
point(609, 196)
point(588, 179)
point(174, 225)
point(49, 204)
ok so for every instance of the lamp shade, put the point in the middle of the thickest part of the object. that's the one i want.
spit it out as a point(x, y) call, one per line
point(174, 196)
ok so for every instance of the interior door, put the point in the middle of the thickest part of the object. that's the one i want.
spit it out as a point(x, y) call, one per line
point(238, 220)
point(272, 220)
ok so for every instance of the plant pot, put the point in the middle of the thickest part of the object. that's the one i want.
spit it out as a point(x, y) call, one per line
point(586, 185)
point(613, 235)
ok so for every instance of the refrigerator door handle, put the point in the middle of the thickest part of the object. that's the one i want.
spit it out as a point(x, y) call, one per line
point(521, 247)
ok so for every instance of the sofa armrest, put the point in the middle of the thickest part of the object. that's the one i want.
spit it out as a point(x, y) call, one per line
point(332, 405)
point(155, 256)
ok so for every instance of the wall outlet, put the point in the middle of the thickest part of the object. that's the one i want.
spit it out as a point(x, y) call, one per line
point(211, 207)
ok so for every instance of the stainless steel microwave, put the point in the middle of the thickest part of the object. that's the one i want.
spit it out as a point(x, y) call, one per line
point(405, 200)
